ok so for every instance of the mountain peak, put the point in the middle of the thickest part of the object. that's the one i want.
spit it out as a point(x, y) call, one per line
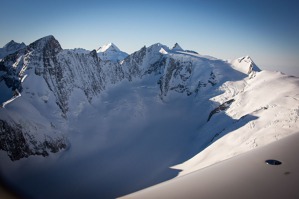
point(157, 47)
point(245, 65)
point(12, 42)
point(111, 52)
point(177, 47)
point(108, 47)
point(46, 39)
point(246, 59)
point(48, 42)
point(13, 45)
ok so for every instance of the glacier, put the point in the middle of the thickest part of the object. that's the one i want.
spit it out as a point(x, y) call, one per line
point(103, 123)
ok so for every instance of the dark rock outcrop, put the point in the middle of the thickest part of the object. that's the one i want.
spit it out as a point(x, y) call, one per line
point(20, 144)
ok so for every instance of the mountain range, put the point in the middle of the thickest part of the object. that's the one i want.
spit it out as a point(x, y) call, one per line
point(128, 121)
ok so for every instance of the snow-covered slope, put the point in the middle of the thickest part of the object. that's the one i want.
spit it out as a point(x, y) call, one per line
point(111, 52)
point(245, 176)
point(263, 110)
point(126, 124)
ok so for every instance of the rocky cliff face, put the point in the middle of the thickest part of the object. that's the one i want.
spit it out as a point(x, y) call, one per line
point(178, 70)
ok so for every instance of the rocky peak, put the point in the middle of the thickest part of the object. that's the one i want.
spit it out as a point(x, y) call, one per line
point(177, 47)
point(93, 53)
point(12, 45)
point(12, 42)
point(48, 43)
point(10, 48)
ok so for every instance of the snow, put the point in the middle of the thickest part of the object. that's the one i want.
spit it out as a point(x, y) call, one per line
point(162, 51)
point(106, 47)
point(125, 134)
point(275, 115)
point(111, 52)
point(23, 78)
point(244, 65)
point(244, 176)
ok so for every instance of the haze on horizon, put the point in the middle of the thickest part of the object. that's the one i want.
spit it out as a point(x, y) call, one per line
point(266, 30)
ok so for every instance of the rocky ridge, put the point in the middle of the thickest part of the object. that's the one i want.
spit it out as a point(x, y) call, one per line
point(50, 78)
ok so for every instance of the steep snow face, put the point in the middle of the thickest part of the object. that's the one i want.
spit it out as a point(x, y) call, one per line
point(111, 52)
point(11, 47)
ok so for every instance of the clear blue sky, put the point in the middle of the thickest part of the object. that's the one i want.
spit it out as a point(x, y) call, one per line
point(267, 30)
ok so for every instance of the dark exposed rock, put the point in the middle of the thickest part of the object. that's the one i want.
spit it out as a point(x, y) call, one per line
point(165, 79)
point(212, 80)
point(20, 144)
point(157, 67)
point(10, 75)
point(132, 64)
point(49, 45)
point(220, 108)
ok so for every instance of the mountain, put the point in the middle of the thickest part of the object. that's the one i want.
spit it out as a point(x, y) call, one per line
point(119, 125)
point(10, 48)
point(244, 65)
point(177, 47)
point(111, 52)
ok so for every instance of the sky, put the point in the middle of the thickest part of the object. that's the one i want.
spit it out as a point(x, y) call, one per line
point(266, 30)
